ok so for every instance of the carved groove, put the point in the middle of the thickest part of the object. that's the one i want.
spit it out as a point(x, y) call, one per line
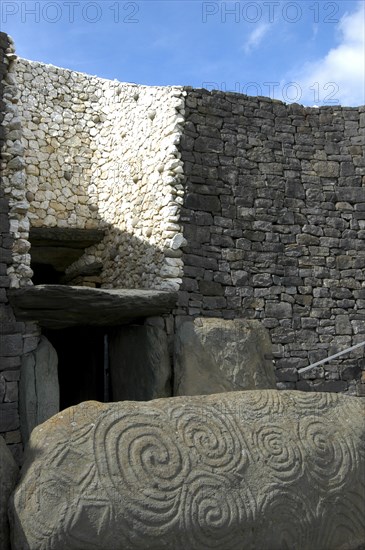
point(242, 471)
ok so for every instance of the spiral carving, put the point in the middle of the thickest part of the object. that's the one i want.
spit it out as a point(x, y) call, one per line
point(264, 401)
point(329, 458)
point(313, 403)
point(279, 451)
point(213, 512)
point(285, 517)
point(350, 409)
point(207, 472)
point(52, 496)
point(213, 438)
point(139, 460)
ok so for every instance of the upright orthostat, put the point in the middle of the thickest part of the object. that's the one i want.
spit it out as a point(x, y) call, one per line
point(248, 470)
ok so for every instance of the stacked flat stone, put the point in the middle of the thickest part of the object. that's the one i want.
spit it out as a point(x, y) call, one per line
point(249, 207)
point(274, 216)
point(16, 338)
point(13, 175)
point(100, 153)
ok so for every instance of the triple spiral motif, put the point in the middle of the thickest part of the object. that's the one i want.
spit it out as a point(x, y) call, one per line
point(219, 472)
point(278, 449)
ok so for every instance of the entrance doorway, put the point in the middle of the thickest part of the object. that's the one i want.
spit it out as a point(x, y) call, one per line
point(81, 364)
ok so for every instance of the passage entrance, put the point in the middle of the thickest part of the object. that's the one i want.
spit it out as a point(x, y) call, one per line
point(81, 359)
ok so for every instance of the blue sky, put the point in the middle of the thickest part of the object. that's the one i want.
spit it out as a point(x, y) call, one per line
point(308, 51)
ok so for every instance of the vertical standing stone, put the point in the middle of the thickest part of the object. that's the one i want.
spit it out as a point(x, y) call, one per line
point(39, 389)
point(216, 355)
point(139, 363)
point(9, 472)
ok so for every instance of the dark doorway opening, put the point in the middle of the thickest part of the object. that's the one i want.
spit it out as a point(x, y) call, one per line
point(45, 274)
point(81, 364)
point(54, 249)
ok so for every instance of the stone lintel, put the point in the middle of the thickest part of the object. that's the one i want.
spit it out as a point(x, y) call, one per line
point(60, 306)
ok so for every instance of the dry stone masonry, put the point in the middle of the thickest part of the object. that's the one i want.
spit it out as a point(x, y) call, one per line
point(16, 338)
point(256, 470)
point(247, 207)
point(274, 218)
point(102, 154)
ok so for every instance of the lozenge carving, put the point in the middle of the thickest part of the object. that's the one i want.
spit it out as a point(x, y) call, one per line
point(249, 470)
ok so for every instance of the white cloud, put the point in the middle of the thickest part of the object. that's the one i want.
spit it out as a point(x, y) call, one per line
point(255, 37)
point(339, 75)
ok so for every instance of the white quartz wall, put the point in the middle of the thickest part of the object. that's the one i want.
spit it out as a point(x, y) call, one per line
point(137, 177)
point(102, 154)
point(56, 107)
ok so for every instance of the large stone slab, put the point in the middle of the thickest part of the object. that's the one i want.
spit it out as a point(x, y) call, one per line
point(139, 363)
point(39, 394)
point(249, 470)
point(9, 473)
point(61, 246)
point(60, 306)
point(217, 355)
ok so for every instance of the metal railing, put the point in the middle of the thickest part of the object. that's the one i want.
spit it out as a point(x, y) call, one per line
point(326, 359)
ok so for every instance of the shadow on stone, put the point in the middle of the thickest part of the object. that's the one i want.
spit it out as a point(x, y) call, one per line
point(222, 471)
point(219, 355)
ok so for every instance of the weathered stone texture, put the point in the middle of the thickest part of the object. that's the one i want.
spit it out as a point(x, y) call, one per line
point(9, 417)
point(14, 224)
point(273, 214)
point(257, 469)
point(139, 363)
point(103, 154)
point(58, 306)
point(9, 473)
point(39, 389)
point(13, 229)
point(216, 355)
point(249, 207)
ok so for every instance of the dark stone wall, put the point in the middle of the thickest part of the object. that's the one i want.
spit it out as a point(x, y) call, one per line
point(274, 217)
point(11, 331)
